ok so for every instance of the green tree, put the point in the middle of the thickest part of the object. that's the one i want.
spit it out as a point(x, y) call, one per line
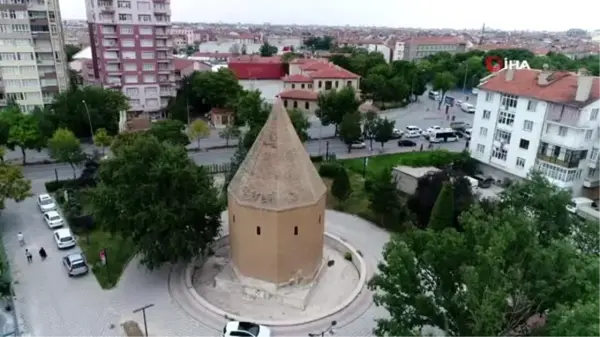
point(2, 153)
point(218, 89)
point(385, 201)
point(12, 184)
point(442, 215)
point(70, 51)
point(199, 130)
point(300, 123)
point(350, 131)
point(580, 319)
point(153, 194)
point(102, 139)
point(230, 132)
point(485, 281)
point(267, 50)
point(340, 187)
point(370, 127)
point(334, 105)
point(64, 147)
point(443, 82)
point(69, 110)
point(24, 131)
point(384, 130)
point(170, 131)
point(251, 109)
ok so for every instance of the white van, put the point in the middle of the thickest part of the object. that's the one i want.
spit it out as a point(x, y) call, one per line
point(473, 182)
point(467, 133)
point(467, 107)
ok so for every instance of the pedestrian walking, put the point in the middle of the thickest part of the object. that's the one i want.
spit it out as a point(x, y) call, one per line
point(43, 254)
point(21, 239)
point(28, 255)
point(421, 148)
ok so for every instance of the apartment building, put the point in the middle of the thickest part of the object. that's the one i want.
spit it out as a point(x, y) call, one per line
point(33, 68)
point(420, 47)
point(309, 77)
point(542, 120)
point(132, 50)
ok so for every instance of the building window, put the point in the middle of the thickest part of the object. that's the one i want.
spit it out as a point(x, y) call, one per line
point(559, 173)
point(130, 67)
point(591, 172)
point(126, 30)
point(499, 153)
point(588, 134)
point(285, 103)
point(146, 43)
point(295, 104)
point(483, 132)
point(502, 136)
point(508, 101)
point(489, 96)
point(337, 84)
point(131, 79)
point(349, 83)
point(145, 18)
point(562, 131)
point(320, 84)
point(257, 230)
point(480, 148)
point(149, 79)
point(125, 17)
point(506, 118)
point(486, 114)
point(531, 105)
point(302, 86)
point(146, 31)
point(134, 101)
point(293, 86)
point(306, 105)
point(124, 4)
point(129, 55)
point(127, 43)
point(151, 91)
point(520, 162)
point(527, 125)
point(309, 86)
point(143, 6)
point(328, 85)
point(132, 92)
point(147, 55)
point(148, 67)
point(233, 218)
point(594, 114)
point(594, 154)
point(524, 144)
point(295, 230)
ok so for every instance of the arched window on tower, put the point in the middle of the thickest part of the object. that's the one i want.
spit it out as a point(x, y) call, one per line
point(295, 230)
point(257, 230)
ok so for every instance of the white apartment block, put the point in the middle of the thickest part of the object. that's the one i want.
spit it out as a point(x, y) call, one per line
point(542, 120)
point(33, 68)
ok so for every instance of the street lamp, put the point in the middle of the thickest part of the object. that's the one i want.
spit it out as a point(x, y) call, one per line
point(143, 310)
point(322, 333)
point(465, 80)
point(87, 111)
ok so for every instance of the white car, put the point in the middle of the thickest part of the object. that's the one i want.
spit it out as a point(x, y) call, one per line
point(413, 131)
point(45, 203)
point(358, 145)
point(64, 238)
point(431, 129)
point(53, 219)
point(245, 329)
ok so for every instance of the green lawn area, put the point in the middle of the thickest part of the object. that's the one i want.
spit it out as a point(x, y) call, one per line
point(388, 161)
point(119, 252)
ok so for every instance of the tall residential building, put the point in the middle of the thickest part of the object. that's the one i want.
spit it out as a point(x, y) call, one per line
point(542, 120)
point(33, 68)
point(132, 50)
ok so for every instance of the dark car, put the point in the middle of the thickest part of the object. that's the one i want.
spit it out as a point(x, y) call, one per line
point(483, 181)
point(406, 143)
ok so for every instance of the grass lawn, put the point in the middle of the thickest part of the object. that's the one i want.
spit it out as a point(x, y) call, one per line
point(388, 161)
point(118, 252)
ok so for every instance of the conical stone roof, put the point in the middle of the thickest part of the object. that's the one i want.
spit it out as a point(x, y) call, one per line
point(277, 172)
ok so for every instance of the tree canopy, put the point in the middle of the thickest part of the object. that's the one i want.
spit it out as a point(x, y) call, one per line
point(267, 50)
point(319, 43)
point(170, 131)
point(21, 130)
point(335, 104)
point(12, 184)
point(65, 147)
point(152, 193)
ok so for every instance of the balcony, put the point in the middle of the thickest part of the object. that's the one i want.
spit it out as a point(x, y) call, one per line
point(42, 48)
point(161, 32)
point(47, 74)
point(591, 182)
point(111, 46)
point(107, 9)
point(113, 84)
point(106, 19)
point(559, 162)
point(47, 99)
point(160, 8)
point(114, 71)
point(165, 70)
point(45, 62)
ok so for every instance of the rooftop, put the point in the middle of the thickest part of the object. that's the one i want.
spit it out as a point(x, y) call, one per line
point(277, 173)
point(306, 95)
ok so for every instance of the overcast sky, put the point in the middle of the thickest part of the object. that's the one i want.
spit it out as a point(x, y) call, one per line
point(501, 14)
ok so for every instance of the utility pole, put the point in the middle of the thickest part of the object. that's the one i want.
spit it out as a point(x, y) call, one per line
point(465, 80)
point(143, 310)
point(87, 111)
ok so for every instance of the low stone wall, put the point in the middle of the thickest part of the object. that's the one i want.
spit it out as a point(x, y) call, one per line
point(329, 239)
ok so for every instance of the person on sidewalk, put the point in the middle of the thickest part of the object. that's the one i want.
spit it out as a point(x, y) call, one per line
point(28, 255)
point(21, 239)
point(43, 254)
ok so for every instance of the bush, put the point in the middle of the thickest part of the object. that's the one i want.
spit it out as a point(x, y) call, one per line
point(55, 185)
point(348, 256)
point(316, 159)
point(341, 188)
point(330, 170)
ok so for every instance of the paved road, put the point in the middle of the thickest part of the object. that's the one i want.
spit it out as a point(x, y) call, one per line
point(423, 114)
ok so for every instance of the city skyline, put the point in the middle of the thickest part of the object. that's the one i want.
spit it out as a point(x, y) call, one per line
point(461, 14)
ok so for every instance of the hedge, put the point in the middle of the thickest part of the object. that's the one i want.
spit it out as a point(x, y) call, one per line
point(330, 170)
point(55, 185)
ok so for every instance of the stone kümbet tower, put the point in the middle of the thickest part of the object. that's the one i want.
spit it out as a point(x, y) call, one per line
point(277, 207)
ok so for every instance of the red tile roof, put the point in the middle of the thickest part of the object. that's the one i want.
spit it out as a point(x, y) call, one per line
point(316, 65)
point(180, 64)
point(305, 95)
point(334, 72)
point(561, 89)
point(213, 55)
point(256, 59)
point(297, 78)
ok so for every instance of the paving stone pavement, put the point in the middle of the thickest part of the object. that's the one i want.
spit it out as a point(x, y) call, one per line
point(52, 304)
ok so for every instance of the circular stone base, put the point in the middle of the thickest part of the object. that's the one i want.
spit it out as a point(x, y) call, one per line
point(215, 286)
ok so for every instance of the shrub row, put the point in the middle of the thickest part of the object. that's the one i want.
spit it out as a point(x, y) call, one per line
point(55, 185)
point(330, 170)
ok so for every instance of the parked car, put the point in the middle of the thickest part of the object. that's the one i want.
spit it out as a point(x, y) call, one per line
point(434, 95)
point(358, 145)
point(484, 182)
point(64, 238)
point(245, 329)
point(413, 131)
point(53, 219)
point(434, 128)
point(406, 143)
point(45, 203)
point(75, 264)
point(468, 108)
point(397, 134)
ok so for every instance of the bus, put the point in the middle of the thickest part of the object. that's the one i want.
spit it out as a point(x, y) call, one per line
point(446, 135)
